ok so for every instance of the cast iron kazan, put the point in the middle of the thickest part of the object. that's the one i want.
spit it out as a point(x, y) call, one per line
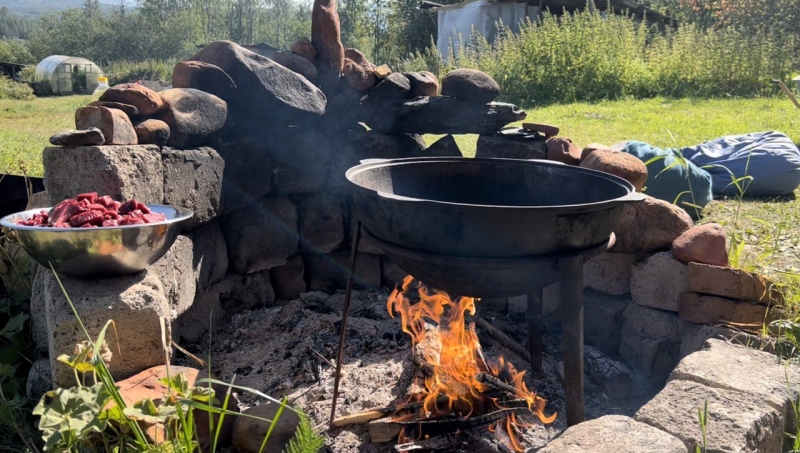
point(488, 208)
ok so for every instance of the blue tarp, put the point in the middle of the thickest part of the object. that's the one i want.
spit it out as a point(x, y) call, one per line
point(770, 158)
point(680, 184)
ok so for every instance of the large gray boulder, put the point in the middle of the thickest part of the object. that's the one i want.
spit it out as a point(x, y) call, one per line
point(262, 235)
point(471, 85)
point(265, 89)
point(193, 116)
point(204, 77)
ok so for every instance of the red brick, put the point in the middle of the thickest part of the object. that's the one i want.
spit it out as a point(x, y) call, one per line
point(733, 283)
point(702, 309)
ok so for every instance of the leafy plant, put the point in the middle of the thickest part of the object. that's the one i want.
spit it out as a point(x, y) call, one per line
point(69, 417)
point(97, 416)
point(702, 416)
point(305, 440)
point(795, 437)
point(16, 349)
point(551, 61)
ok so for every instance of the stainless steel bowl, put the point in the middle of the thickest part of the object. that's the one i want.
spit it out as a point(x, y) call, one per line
point(102, 251)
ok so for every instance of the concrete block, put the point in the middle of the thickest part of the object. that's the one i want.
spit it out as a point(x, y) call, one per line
point(122, 172)
point(732, 283)
point(738, 421)
point(193, 180)
point(702, 309)
point(726, 366)
point(262, 235)
point(609, 273)
point(658, 282)
point(614, 434)
point(651, 340)
point(134, 302)
point(603, 320)
point(209, 254)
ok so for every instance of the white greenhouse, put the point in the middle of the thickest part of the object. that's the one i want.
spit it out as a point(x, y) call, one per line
point(68, 75)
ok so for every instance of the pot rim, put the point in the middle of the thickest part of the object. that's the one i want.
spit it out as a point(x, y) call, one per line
point(370, 164)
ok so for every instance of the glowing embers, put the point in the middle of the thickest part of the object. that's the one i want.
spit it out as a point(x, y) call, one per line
point(461, 390)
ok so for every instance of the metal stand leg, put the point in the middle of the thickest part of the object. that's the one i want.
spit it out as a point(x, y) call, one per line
point(571, 289)
point(534, 315)
point(345, 316)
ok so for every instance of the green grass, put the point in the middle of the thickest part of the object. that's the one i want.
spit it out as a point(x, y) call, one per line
point(660, 122)
point(26, 127)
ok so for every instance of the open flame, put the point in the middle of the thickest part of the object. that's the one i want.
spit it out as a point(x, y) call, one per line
point(457, 381)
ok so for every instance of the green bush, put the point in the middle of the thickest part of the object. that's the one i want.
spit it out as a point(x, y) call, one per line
point(10, 89)
point(128, 71)
point(584, 56)
point(15, 51)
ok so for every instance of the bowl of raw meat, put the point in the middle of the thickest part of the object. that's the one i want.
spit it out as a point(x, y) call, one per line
point(93, 236)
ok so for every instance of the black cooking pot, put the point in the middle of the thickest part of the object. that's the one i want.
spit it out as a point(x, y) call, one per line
point(14, 192)
point(485, 207)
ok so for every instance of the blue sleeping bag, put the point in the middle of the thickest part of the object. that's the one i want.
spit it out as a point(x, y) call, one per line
point(684, 185)
point(770, 158)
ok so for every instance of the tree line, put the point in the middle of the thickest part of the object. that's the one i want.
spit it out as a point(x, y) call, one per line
point(384, 30)
point(387, 31)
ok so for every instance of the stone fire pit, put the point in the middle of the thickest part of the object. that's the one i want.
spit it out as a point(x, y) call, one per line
point(256, 141)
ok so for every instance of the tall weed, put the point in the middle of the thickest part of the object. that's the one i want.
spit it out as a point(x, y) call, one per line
point(584, 56)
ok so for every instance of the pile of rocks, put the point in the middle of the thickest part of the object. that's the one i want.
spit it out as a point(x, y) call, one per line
point(131, 114)
point(256, 141)
point(665, 286)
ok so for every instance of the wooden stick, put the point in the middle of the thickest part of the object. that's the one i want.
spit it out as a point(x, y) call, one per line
point(496, 383)
point(374, 414)
point(322, 357)
point(360, 418)
point(504, 339)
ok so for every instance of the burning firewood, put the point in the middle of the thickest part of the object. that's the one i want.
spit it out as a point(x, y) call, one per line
point(459, 389)
point(613, 376)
